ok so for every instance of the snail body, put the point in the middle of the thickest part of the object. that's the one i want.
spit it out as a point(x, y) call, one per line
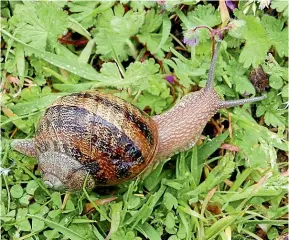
point(102, 140)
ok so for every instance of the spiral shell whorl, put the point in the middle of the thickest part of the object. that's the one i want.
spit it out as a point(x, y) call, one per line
point(113, 140)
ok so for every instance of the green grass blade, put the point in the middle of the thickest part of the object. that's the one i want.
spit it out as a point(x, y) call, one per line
point(86, 52)
point(115, 218)
point(83, 70)
point(205, 150)
point(148, 231)
point(65, 231)
point(20, 62)
point(165, 33)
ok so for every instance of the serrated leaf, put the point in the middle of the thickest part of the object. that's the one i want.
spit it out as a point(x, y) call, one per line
point(257, 43)
point(155, 42)
point(280, 6)
point(152, 22)
point(81, 12)
point(83, 70)
point(141, 4)
point(277, 33)
point(143, 76)
point(270, 108)
point(202, 15)
point(185, 69)
point(117, 27)
point(39, 24)
point(237, 74)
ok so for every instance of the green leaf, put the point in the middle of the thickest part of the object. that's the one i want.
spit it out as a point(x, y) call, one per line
point(83, 229)
point(191, 212)
point(138, 76)
point(20, 62)
point(115, 217)
point(221, 172)
point(65, 231)
point(257, 42)
point(111, 75)
point(152, 22)
point(196, 166)
point(277, 33)
point(31, 187)
point(218, 226)
point(140, 5)
point(276, 81)
point(9, 216)
point(51, 234)
point(155, 176)
point(37, 225)
point(170, 220)
point(280, 6)
point(170, 201)
point(75, 87)
point(134, 202)
point(186, 70)
point(82, 70)
point(116, 27)
point(22, 222)
point(24, 200)
point(82, 12)
point(54, 213)
point(205, 150)
point(77, 27)
point(37, 209)
point(149, 35)
point(85, 12)
point(39, 24)
point(16, 191)
point(148, 231)
point(56, 199)
point(34, 105)
point(237, 74)
point(202, 15)
point(86, 52)
point(285, 91)
point(165, 32)
point(273, 233)
point(271, 107)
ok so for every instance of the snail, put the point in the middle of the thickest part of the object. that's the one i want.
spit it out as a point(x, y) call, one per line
point(100, 139)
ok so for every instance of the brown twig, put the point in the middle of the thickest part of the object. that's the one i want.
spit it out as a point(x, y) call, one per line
point(71, 42)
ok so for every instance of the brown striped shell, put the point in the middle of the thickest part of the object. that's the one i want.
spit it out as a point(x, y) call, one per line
point(111, 138)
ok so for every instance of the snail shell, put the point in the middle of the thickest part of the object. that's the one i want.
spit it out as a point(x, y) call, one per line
point(113, 140)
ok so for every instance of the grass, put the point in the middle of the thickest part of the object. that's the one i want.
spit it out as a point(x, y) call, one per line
point(231, 185)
